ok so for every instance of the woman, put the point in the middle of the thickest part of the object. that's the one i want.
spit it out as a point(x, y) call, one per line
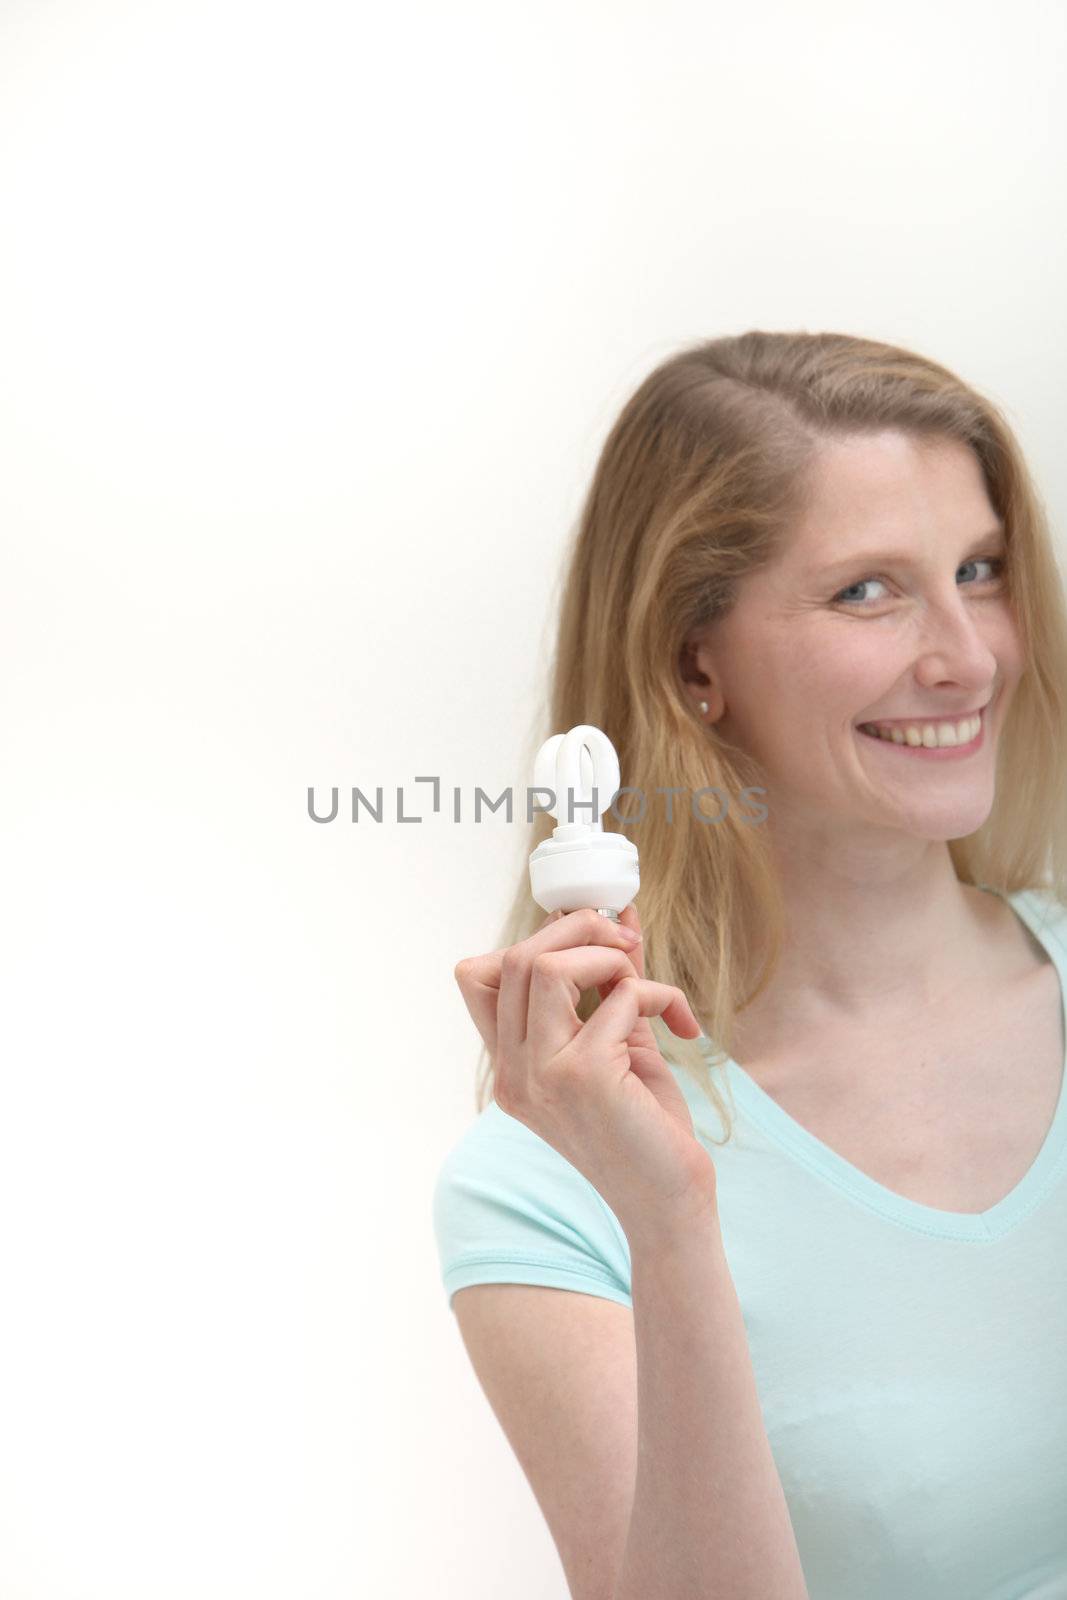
point(824, 1352)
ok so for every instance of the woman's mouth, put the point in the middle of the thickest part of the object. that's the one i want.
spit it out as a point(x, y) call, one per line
point(946, 739)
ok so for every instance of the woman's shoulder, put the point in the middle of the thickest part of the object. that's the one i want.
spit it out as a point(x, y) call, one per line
point(509, 1208)
point(500, 1156)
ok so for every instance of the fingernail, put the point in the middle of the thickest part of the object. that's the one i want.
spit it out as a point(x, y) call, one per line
point(630, 933)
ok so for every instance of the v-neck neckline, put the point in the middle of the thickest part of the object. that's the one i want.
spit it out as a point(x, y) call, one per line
point(1046, 1168)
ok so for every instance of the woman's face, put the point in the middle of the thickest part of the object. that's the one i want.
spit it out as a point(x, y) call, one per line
point(886, 603)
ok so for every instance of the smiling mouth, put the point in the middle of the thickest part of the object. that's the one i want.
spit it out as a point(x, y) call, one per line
point(944, 735)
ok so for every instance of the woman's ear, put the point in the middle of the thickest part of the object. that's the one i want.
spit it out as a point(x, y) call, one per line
point(699, 678)
point(689, 662)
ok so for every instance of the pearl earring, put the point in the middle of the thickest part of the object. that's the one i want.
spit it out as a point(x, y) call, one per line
point(704, 708)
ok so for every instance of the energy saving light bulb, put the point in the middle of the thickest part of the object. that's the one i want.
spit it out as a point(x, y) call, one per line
point(581, 865)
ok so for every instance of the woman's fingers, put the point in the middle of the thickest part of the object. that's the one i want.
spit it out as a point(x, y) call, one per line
point(576, 929)
point(478, 978)
point(630, 919)
point(614, 1019)
point(479, 984)
point(557, 978)
point(481, 978)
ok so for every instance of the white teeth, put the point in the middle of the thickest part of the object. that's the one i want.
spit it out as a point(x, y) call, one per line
point(932, 735)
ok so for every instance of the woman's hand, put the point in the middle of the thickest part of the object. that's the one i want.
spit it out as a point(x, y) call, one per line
point(599, 1092)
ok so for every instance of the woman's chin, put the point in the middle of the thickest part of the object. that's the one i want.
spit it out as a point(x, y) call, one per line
point(951, 818)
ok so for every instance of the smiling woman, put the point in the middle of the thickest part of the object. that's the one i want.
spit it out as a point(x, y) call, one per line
point(749, 478)
point(832, 581)
point(794, 678)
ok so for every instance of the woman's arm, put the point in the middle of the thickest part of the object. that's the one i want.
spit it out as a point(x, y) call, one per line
point(709, 1518)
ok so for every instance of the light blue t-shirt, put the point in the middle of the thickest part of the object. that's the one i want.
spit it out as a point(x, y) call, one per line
point(911, 1363)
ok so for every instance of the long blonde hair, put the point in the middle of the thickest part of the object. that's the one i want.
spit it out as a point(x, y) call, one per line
point(697, 481)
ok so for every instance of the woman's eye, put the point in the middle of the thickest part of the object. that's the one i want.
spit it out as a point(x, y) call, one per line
point(994, 562)
point(842, 597)
point(986, 561)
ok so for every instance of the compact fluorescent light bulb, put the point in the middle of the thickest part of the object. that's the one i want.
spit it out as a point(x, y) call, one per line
point(581, 865)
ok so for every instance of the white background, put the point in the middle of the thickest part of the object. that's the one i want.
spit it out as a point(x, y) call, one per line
point(312, 320)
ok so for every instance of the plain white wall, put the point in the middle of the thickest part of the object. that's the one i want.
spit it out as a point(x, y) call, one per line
point(312, 320)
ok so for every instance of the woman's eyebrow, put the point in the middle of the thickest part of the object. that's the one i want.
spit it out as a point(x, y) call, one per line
point(899, 558)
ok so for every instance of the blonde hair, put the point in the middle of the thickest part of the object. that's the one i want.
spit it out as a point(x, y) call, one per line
point(697, 482)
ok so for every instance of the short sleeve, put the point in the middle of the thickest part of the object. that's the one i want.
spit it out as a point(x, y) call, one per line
point(508, 1208)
